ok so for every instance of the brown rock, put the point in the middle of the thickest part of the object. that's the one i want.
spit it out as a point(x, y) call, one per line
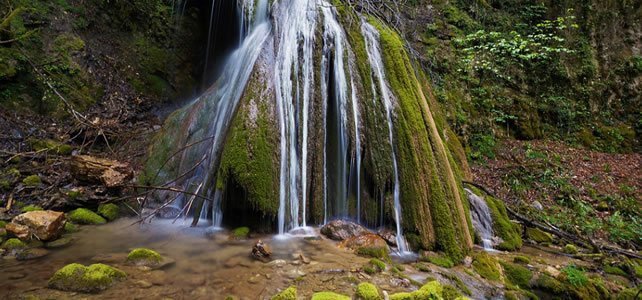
point(45, 224)
point(368, 240)
point(340, 230)
point(261, 250)
point(388, 236)
point(20, 231)
point(100, 171)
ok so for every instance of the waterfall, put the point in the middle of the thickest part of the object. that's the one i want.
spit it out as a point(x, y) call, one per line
point(374, 56)
point(482, 220)
point(355, 116)
point(295, 21)
point(219, 103)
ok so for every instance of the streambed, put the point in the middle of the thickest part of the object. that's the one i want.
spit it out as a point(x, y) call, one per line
point(206, 264)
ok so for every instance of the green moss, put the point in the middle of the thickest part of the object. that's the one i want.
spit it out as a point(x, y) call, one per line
point(401, 296)
point(367, 291)
point(241, 232)
point(144, 257)
point(381, 253)
point(4, 185)
point(3, 224)
point(636, 267)
point(33, 181)
point(450, 293)
point(538, 235)
point(550, 284)
point(486, 266)
point(13, 244)
point(85, 216)
point(627, 294)
point(575, 276)
point(433, 287)
point(94, 278)
point(109, 211)
point(440, 261)
point(421, 267)
point(31, 208)
point(288, 294)
point(400, 267)
point(517, 275)
point(329, 296)
point(458, 283)
point(522, 259)
point(67, 42)
point(378, 263)
point(570, 249)
point(369, 270)
point(70, 227)
point(614, 270)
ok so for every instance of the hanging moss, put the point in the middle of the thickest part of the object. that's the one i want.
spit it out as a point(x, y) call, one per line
point(428, 187)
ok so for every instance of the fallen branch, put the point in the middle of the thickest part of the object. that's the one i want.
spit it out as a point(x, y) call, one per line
point(149, 187)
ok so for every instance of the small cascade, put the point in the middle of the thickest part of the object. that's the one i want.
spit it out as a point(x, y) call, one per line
point(374, 56)
point(355, 116)
point(295, 23)
point(482, 220)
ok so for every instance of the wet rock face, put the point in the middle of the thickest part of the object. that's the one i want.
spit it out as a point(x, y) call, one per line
point(46, 225)
point(367, 240)
point(340, 230)
point(261, 250)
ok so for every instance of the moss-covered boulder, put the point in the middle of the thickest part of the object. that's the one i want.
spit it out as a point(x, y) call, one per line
point(517, 275)
point(60, 243)
point(144, 257)
point(367, 291)
point(85, 216)
point(520, 259)
point(70, 227)
point(329, 296)
point(486, 266)
point(538, 235)
point(13, 245)
point(91, 279)
point(32, 181)
point(109, 211)
point(288, 294)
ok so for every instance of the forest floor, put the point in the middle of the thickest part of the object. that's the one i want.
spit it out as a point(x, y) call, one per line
point(580, 191)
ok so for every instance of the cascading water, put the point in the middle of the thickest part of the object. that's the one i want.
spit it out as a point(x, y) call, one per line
point(374, 56)
point(295, 22)
point(221, 103)
point(481, 218)
point(355, 115)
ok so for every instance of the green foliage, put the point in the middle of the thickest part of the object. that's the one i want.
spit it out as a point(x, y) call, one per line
point(287, 294)
point(575, 276)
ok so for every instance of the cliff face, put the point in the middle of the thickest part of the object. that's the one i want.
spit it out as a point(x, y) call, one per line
point(565, 70)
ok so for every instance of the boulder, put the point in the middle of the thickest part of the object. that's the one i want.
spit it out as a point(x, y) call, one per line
point(144, 257)
point(538, 235)
point(340, 230)
point(45, 224)
point(368, 240)
point(388, 236)
point(91, 279)
point(18, 230)
point(261, 251)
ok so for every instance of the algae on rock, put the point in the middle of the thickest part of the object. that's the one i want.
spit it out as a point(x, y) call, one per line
point(90, 279)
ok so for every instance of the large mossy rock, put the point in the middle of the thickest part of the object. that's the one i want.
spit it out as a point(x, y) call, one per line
point(85, 216)
point(110, 211)
point(45, 224)
point(367, 291)
point(91, 279)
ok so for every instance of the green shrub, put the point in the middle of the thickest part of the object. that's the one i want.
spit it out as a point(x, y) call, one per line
point(575, 276)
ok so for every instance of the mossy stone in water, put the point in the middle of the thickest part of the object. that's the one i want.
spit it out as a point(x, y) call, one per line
point(288, 294)
point(539, 236)
point(109, 211)
point(486, 266)
point(367, 291)
point(32, 181)
point(60, 243)
point(85, 216)
point(70, 227)
point(241, 232)
point(13, 244)
point(78, 278)
point(329, 296)
point(144, 257)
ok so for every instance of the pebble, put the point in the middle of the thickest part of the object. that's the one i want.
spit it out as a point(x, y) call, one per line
point(144, 284)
